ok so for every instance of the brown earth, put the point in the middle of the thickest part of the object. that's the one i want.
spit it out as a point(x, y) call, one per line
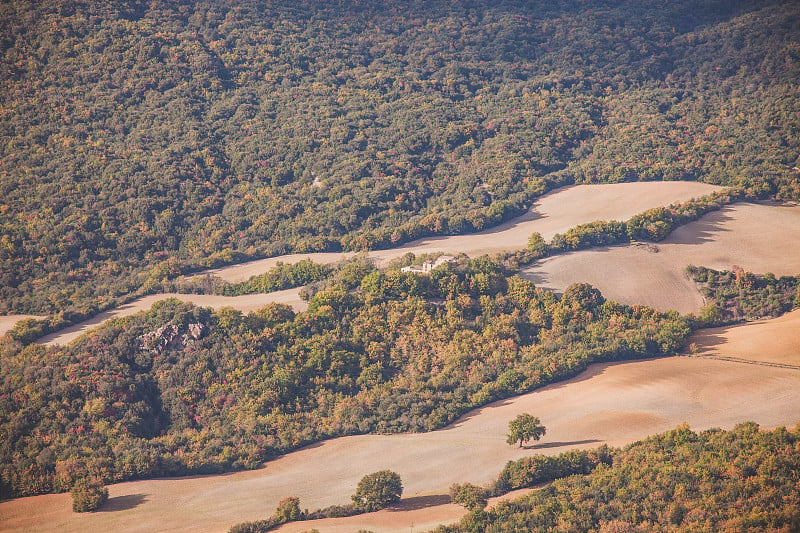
point(612, 403)
point(245, 304)
point(7, 322)
point(420, 513)
point(757, 237)
point(775, 341)
point(553, 213)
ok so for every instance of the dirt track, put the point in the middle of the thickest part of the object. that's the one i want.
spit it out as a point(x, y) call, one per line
point(758, 238)
point(614, 403)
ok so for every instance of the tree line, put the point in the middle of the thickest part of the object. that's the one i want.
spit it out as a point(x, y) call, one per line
point(679, 480)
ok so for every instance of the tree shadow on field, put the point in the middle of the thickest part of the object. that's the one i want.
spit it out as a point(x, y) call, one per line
point(122, 503)
point(546, 445)
point(702, 230)
point(706, 342)
point(420, 502)
point(472, 413)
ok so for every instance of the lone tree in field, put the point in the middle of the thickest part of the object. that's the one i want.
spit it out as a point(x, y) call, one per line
point(524, 428)
point(88, 495)
point(378, 490)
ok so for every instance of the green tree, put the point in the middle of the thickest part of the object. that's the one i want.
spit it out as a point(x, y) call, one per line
point(288, 510)
point(88, 495)
point(524, 428)
point(470, 496)
point(378, 490)
point(536, 244)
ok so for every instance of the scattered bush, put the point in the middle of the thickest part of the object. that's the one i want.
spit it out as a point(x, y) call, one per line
point(288, 510)
point(537, 469)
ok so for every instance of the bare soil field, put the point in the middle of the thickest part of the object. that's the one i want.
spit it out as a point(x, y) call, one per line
point(245, 304)
point(7, 322)
point(553, 213)
point(775, 342)
point(611, 403)
point(757, 237)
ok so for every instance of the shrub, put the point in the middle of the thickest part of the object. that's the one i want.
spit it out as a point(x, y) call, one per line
point(468, 495)
point(88, 495)
point(288, 510)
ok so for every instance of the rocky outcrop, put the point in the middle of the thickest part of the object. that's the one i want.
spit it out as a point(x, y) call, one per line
point(172, 336)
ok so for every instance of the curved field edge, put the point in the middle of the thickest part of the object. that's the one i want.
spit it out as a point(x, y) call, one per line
point(185, 165)
point(8, 322)
point(552, 214)
point(752, 237)
point(664, 482)
point(612, 403)
point(405, 353)
point(244, 304)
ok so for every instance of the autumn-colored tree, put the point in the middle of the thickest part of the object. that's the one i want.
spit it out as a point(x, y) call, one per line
point(88, 495)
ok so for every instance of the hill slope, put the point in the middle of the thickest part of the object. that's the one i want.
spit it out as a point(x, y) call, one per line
point(142, 139)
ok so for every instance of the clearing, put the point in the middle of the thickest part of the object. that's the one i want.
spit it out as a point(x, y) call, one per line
point(759, 238)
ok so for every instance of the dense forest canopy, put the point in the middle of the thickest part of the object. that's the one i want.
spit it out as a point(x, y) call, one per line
point(184, 390)
point(141, 139)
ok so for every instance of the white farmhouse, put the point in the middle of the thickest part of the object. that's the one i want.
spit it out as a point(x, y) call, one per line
point(427, 266)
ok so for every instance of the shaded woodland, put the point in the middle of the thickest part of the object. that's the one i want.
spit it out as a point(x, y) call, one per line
point(737, 295)
point(146, 140)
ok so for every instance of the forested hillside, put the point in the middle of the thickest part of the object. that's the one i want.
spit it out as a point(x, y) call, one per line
point(739, 480)
point(142, 139)
point(181, 390)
